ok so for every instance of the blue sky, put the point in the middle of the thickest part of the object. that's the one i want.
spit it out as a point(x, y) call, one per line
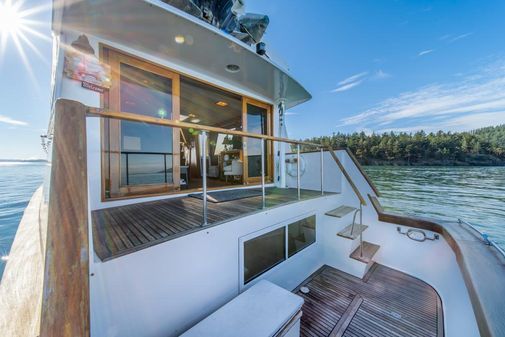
point(370, 65)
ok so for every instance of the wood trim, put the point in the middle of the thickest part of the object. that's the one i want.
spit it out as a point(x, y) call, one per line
point(65, 303)
point(345, 320)
point(103, 113)
point(363, 173)
point(285, 329)
point(269, 154)
point(347, 176)
point(116, 58)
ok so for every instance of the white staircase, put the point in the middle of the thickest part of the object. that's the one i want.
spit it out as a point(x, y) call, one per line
point(349, 240)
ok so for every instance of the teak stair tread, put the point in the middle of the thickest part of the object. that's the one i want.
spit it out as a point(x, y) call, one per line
point(352, 233)
point(341, 211)
point(369, 250)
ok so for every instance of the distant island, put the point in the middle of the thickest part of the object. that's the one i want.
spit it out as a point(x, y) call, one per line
point(23, 161)
point(481, 147)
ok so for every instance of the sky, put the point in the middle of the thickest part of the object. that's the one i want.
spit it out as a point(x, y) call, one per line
point(372, 66)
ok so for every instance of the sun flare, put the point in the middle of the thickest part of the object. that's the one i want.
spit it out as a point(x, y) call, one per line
point(18, 28)
point(11, 21)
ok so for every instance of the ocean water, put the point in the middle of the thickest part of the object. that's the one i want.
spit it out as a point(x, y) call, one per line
point(474, 194)
point(18, 181)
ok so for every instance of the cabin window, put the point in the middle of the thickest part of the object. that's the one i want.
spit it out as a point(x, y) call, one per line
point(263, 253)
point(141, 159)
point(301, 234)
point(266, 251)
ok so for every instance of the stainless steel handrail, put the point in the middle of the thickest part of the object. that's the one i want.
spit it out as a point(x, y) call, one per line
point(483, 235)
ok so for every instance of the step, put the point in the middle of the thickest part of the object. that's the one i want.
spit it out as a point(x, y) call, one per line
point(341, 211)
point(352, 233)
point(369, 250)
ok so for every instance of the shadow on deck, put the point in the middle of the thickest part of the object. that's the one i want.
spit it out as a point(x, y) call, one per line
point(122, 230)
point(386, 302)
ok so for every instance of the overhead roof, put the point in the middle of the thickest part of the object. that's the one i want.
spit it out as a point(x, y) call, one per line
point(150, 26)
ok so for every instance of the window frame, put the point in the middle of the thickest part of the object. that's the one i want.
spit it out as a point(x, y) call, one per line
point(287, 258)
point(108, 54)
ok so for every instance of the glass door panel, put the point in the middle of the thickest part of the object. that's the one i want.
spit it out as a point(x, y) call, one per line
point(146, 150)
point(257, 122)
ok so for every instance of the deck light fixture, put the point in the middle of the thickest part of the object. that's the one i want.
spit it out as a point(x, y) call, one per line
point(232, 68)
point(179, 39)
point(195, 120)
point(221, 103)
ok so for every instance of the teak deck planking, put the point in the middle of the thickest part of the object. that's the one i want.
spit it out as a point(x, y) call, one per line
point(125, 229)
point(386, 303)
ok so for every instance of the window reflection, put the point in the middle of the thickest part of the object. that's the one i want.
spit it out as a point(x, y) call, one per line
point(146, 150)
point(263, 253)
point(207, 105)
point(256, 123)
point(301, 234)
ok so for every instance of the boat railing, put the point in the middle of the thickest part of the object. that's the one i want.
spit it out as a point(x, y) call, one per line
point(483, 236)
point(204, 131)
point(68, 213)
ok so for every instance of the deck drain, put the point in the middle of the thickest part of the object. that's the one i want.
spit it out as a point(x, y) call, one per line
point(395, 315)
point(305, 290)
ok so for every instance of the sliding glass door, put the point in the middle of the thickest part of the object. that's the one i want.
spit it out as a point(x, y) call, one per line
point(143, 156)
point(257, 119)
point(144, 159)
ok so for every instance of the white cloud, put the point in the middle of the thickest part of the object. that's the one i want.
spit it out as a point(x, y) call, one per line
point(474, 101)
point(424, 52)
point(346, 87)
point(356, 79)
point(10, 121)
point(459, 37)
point(380, 75)
point(353, 78)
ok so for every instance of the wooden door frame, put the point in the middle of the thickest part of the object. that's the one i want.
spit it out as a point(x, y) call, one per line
point(114, 58)
point(269, 154)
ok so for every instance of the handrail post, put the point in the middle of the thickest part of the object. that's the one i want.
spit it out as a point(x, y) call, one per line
point(298, 170)
point(203, 156)
point(322, 171)
point(263, 173)
point(361, 229)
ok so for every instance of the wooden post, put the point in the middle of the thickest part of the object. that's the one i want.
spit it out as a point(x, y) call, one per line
point(65, 301)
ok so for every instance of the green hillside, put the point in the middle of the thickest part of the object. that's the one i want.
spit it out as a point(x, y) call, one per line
point(484, 146)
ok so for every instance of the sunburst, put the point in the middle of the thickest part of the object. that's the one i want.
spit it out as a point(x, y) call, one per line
point(17, 26)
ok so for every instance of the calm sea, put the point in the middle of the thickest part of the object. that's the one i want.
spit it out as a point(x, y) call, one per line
point(18, 181)
point(474, 194)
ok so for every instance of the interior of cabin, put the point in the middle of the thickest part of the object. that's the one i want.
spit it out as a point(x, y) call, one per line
point(145, 159)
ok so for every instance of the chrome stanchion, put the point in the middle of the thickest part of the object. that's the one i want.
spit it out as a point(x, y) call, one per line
point(298, 170)
point(322, 171)
point(203, 156)
point(263, 172)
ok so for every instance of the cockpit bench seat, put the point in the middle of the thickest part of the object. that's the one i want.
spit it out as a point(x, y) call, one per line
point(263, 310)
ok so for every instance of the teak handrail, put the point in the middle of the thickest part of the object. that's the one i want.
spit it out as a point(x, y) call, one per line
point(132, 117)
point(347, 176)
point(65, 299)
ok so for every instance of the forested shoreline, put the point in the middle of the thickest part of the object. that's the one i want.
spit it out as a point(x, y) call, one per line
point(481, 147)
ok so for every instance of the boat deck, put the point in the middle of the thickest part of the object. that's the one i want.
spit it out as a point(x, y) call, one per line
point(385, 303)
point(125, 229)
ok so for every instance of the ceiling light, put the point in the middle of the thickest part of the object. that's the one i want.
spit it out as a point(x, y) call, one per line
point(232, 68)
point(179, 39)
point(195, 120)
point(221, 103)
